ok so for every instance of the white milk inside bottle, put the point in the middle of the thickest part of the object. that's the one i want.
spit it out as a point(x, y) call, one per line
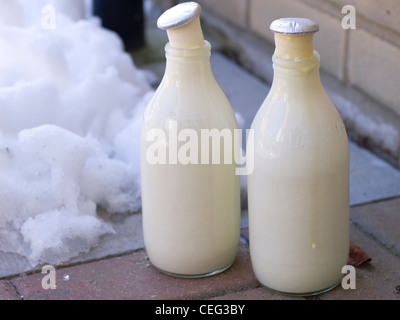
point(191, 204)
point(299, 190)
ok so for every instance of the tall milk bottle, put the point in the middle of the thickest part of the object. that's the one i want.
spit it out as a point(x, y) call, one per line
point(298, 192)
point(190, 190)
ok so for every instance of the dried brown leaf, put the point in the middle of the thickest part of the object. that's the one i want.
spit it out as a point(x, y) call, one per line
point(357, 256)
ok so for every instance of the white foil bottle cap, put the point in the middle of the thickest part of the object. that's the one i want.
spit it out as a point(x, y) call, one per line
point(294, 26)
point(179, 15)
point(182, 24)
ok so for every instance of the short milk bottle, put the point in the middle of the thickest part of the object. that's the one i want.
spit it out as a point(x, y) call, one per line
point(190, 190)
point(298, 192)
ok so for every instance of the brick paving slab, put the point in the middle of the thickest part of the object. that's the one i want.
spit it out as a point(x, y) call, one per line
point(131, 277)
point(375, 280)
point(256, 294)
point(382, 221)
point(7, 291)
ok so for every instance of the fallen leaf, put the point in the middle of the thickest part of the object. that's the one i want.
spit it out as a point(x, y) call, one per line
point(357, 256)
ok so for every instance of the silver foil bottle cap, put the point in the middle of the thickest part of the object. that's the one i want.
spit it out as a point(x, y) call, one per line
point(179, 15)
point(294, 26)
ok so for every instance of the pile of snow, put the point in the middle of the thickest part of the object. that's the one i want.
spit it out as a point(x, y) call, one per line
point(71, 105)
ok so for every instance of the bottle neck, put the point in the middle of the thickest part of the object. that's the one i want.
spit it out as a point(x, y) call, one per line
point(188, 36)
point(294, 47)
point(296, 63)
point(295, 75)
point(188, 62)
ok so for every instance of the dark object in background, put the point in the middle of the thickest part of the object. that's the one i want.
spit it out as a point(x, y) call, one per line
point(125, 17)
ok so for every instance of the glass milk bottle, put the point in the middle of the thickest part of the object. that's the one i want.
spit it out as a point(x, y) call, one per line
point(298, 192)
point(191, 200)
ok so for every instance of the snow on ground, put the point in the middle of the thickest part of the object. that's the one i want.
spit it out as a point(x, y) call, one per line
point(71, 104)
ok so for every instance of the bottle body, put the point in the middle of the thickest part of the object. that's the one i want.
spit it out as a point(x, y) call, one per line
point(299, 190)
point(191, 208)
